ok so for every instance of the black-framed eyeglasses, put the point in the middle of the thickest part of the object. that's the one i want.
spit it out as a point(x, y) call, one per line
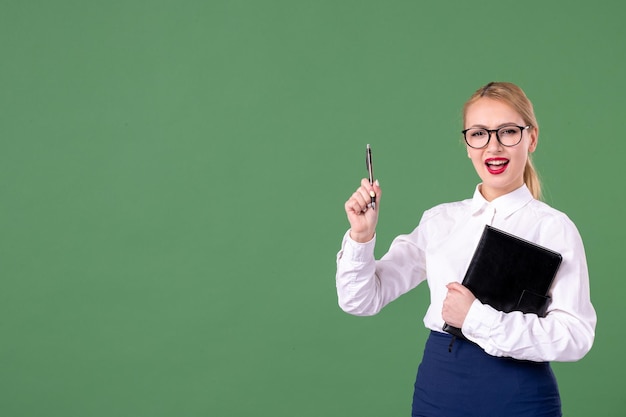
point(509, 135)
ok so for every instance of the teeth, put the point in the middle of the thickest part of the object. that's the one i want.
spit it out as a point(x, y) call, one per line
point(499, 162)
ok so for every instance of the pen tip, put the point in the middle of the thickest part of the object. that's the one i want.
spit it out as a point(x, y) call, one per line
point(368, 146)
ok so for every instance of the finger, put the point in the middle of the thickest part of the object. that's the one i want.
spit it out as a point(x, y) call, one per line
point(358, 202)
point(370, 191)
point(460, 289)
point(362, 197)
point(353, 206)
point(365, 183)
point(453, 290)
point(378, 191)
point(365, 191)
point(369, 188)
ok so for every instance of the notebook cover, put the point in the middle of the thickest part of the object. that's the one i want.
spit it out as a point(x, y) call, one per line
point(510, 274)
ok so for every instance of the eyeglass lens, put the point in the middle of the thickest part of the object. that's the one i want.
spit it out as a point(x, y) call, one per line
point(508, 136)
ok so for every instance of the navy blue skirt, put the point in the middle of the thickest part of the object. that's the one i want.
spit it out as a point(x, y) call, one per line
point(468, 382)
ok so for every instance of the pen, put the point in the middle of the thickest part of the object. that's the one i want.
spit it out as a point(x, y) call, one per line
point(370, 173)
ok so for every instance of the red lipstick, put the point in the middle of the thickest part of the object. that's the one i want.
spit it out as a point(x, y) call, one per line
point(496, 165)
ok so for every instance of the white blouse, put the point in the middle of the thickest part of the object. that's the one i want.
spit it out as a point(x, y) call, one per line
point(439, 251)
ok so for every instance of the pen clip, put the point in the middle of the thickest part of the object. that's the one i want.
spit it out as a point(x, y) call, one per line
point(368, 164)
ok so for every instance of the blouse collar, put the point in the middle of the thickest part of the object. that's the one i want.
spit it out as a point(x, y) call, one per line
point(504, 205)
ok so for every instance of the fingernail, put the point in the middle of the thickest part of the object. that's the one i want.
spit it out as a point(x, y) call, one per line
point(377, 183)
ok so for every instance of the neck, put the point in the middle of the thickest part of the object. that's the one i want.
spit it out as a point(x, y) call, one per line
point(491, 194)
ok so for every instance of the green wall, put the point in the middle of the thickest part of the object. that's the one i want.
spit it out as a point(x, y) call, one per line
point(173, 179)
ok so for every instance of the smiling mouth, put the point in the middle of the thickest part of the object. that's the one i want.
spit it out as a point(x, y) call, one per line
point(496, 166)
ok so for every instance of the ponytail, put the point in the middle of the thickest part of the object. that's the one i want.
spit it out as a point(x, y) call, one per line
point(531, 179)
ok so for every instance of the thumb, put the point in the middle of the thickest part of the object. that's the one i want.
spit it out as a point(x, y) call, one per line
point(378, 192)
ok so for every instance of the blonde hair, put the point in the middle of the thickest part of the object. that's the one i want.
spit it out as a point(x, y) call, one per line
point(514, 96)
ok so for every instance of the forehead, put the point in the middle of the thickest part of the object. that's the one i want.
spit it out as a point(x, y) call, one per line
point(491, 113)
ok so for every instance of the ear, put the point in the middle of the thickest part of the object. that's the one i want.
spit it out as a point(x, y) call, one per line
point(534, 137)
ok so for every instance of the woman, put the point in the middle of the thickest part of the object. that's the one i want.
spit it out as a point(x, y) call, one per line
point(502, 369)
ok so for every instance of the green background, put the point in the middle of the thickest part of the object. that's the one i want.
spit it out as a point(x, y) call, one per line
point(173, 179)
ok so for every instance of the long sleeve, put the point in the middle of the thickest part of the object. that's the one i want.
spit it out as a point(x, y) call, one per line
point(566, 333)
point(364, 285)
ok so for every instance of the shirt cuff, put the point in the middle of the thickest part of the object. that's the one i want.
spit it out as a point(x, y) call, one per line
point(480, 320)
point(355, 251)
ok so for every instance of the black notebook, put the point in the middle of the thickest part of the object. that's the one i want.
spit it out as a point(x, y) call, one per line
point(510, 274)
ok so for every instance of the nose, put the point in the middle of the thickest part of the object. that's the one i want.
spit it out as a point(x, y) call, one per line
point(494, 144)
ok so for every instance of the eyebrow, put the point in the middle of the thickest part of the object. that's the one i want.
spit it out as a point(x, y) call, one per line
point(480, 126)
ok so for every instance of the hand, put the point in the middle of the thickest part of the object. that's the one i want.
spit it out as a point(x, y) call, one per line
point(362, 217)
point(457, 304)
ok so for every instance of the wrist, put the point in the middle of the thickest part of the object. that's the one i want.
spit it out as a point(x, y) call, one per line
point(361, 237)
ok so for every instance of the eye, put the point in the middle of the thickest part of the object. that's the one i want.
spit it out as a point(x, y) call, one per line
point(509, 131)
point(477, 133)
